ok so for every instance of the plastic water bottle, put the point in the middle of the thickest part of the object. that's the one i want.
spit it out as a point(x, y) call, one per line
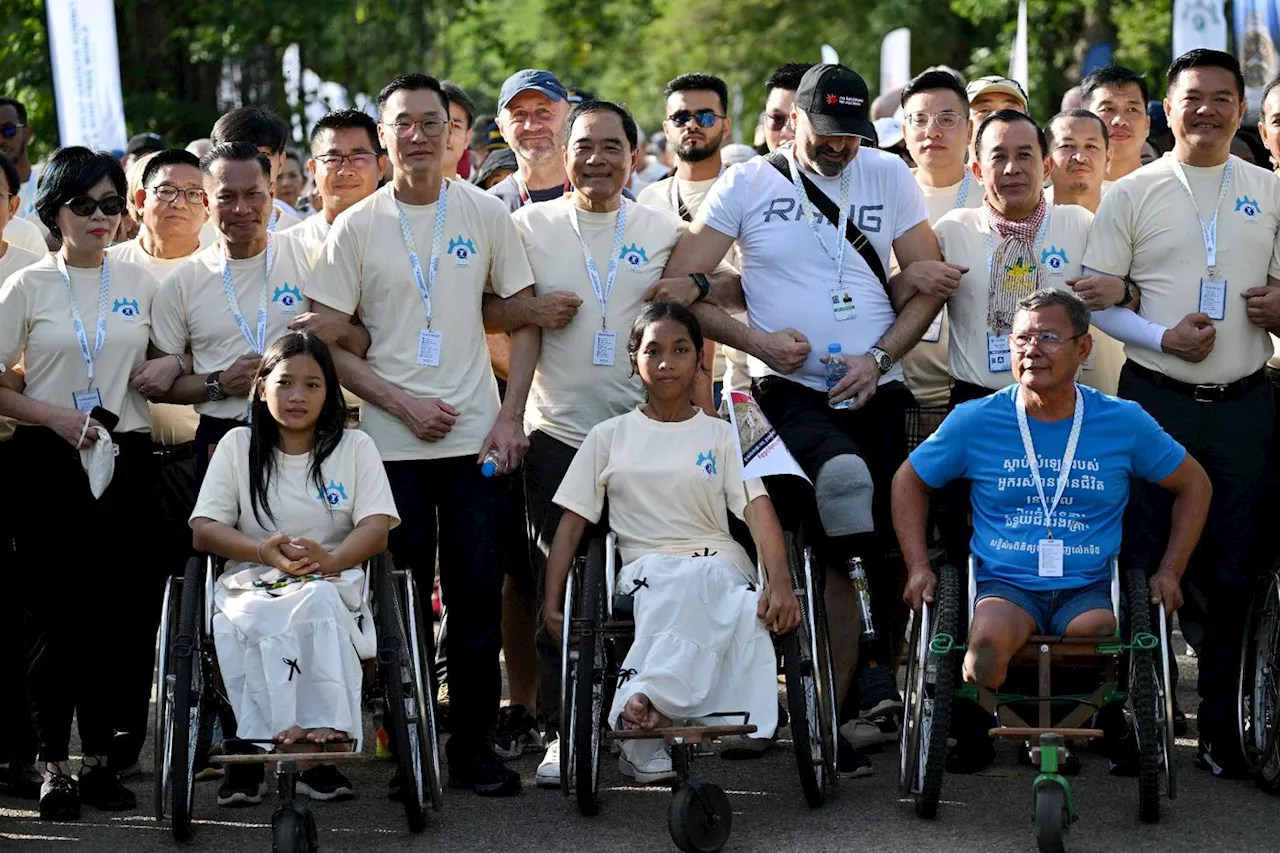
point(858, 576)
point(837, 367)
point(489, 466)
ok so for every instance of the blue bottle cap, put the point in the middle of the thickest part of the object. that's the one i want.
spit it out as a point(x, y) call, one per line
point(833, 348)
point(489, 468)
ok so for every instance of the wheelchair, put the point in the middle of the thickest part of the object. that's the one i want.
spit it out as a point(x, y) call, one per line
point(1259, 686)
point(191, 697)
point(1135, 672)
point(597, 628)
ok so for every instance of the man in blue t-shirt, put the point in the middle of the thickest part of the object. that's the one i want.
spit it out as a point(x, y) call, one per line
point(1032, 576)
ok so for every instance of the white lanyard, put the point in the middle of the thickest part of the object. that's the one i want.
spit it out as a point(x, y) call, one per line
point(271, 220)
point(259, 343)
point(526, 198)
point(989, 243)
point(593, 272)
point(104, 300)
point(812, 218)
point(963, 196)
point(427, 284)
point(1064, 472)
point(1208, 230)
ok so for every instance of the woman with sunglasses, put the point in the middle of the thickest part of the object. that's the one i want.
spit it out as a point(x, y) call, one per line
point(80, 323)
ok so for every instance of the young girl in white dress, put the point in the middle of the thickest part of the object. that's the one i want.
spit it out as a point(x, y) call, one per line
point(702, 624)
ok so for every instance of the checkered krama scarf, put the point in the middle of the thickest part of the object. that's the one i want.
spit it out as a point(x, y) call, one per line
point(1015, 270)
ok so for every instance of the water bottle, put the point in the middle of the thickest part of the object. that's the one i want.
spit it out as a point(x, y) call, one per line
point(858, 576)
point(837, 367)
point(489, 466)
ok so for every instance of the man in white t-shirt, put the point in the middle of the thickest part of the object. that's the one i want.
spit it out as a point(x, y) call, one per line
point(1119, 96)
point(414, 261)
point(346, 164)
point(1079, 148)
point(1196, 233)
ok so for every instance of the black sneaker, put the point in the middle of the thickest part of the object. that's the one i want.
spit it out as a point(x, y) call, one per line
point(517, 733)
point(243, 785)
point(878, 694)
point(101, 787)
point(1225, 762)
point(485, 773)
point(970, 754)
point(852, 762)
point(1179, 720)
point(325, 782)
point(60, 798)
point(21, 780)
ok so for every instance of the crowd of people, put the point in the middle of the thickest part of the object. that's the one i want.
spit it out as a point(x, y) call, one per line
point(538, 317)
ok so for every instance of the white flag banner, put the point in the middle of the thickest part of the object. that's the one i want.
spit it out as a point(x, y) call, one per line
point(86, 73)
point(1199, 23)
point(895, 59)
point(1018, 61)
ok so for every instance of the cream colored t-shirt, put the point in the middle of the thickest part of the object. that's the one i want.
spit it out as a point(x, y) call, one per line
point(36, 327)
point(1147, 230)
point(284, 221)
point(365, 268)
point(26, 234)
point(669, 193)
point(670, 485)
point(355, 488)
point(960, 234)
point(14, 259)
point(192, 311)
point(570, 393)
point(312, 231)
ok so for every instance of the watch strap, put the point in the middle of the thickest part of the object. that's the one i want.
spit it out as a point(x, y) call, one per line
point(704, 284)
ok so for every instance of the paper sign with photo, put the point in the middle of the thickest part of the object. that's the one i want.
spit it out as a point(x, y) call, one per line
point(763, 453)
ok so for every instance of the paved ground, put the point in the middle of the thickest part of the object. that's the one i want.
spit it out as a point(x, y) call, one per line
point(990, 812)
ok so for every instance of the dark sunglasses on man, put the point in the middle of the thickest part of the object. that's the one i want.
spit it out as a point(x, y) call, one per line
point(704, 118)
point(83, 205)
point(9, 131)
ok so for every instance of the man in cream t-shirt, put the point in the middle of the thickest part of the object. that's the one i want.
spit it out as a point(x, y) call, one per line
point(268, 133)
point(1080, 150)
point(414, 261)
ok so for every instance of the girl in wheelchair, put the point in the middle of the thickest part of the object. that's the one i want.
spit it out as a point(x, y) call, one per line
point(294, 503)
point(671, 474)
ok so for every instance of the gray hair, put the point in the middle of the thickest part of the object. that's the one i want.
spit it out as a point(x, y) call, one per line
point(1077, 311)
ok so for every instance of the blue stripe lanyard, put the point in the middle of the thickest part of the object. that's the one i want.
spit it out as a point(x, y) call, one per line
point(104, 300)
point(259, 343)
point(427, 283)
point(593, 272)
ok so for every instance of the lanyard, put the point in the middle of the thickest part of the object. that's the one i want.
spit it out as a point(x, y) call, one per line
point(989, 243)
point(271, 220)
point(593, 272)
point(1064, 473)
point(965, 184)
point(812, 217)
point(427, 284)
point(525, 198)
point(259, 343)
point(1208, 230)
point(104, 299)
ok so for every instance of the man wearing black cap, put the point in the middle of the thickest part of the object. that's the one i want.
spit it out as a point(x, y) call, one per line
point(532, 108)
point(140, 145)
point(805, 286)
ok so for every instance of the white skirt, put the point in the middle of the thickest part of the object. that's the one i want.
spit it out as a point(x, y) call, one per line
point(699, 650)
point(291, 657)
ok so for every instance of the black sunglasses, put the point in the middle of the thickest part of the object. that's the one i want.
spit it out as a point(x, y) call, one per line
point(704, 118)
point(9, 131)
point(83, 205)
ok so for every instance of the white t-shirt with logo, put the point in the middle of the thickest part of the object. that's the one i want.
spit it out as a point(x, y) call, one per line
point(25, 234)
point(14, 259)
point(787, 277)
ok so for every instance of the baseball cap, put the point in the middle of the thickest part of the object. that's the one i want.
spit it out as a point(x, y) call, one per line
point(531, 78)
point(836, 101)
point(487, 136)
point(145, 142)
point(889, 131)
point(993, 84)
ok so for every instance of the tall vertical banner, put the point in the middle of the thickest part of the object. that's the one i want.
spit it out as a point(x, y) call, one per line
point(1018, 66)
point(1199, 23)
point(86, 73)
point(895, 59)
point(1257, 25)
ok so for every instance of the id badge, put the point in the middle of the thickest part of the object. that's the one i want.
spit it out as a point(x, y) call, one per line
point(1050, 558)
point(842, 303)
point(87, 401)
point(429, 347)
point(606, 343)
point(934, 333)
point(999, 359)
point(1213, 298)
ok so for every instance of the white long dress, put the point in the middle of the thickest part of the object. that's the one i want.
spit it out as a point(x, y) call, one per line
point(291, 656)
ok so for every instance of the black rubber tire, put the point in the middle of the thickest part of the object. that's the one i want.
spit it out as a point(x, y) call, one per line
point(908, 734)
point(293, 830)
point(428, 732)
point(1144, 698)
point(699, 820)
point(946, 620)
point(1259, 647)
point(800, 672)
point(393, 651)
point(1051, 819)
point(163, 718)
point(588, 686)
point(188, 695)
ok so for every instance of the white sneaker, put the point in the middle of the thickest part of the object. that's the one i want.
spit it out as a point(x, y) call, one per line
point(861, 734)
point(654, 769)
point(548, 775)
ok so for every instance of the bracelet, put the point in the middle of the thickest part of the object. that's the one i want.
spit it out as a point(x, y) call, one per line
point(182, 365)
point(260, 561)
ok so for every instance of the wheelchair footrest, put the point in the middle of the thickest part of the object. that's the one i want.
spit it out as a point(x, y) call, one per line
point(686, 734)
point(277, 757)
point(1031, 733)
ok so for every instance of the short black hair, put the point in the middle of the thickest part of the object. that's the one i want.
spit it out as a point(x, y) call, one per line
point(629, 128)
point(72, 172)
point(651, 313)
point(260, 128)
point(235, 152)
point(456, 95)
point(1078, 112)
point(700, 83)
point(348, 120)
point(18, 107)
point(412, 82)
point(294, 155)
point(1112, 75)
point(1204, 58)
point(935, 80)
point(11, 179)
point(1267, 91)
point(1010, 117)
point(168, 157)
point(787, 77)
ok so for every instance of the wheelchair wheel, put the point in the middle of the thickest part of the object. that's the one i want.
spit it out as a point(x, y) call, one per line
point(1259, 699)
point(1052, 821)
point(699, 818)
point(909, 733)
point(420, 659)
point(589, 681)
point(1146, 703)
point(568, 670)
point(194, 705)
point(935, 686)
point(293, 830)
point(162, 729)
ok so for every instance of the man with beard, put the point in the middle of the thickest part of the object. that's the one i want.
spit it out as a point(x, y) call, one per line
point(1079, 148)
point(696, 125)
point(532, 108)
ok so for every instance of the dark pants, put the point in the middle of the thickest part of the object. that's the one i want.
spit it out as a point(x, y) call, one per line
point(1232, 440)
point(449, 504)
point(94, 592)
point(208, 433)
point(17, 737)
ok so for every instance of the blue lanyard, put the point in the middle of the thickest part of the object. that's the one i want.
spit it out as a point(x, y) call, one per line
point(593, 272)
point(963, 196)
point(259, 343)
point(428, 283)
point(104, 299)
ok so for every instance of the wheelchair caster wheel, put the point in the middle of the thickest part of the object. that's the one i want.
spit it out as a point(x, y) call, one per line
point(1051, 819)
point(699, 817)
point(293, 830)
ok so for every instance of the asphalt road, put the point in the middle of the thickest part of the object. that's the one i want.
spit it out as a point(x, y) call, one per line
point(988, 812)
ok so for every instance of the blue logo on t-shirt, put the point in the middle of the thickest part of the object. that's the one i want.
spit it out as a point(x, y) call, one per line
point(707, 462)
point(634, 257)
point(1249, 207)
point(334, 494)
point(287, 298)
point(127, 309)
point(1054, 258)
point(462, 251)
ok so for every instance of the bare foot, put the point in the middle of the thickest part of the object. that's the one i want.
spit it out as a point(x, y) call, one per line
point(291, 735)
point(640, 715)
point(325, 737)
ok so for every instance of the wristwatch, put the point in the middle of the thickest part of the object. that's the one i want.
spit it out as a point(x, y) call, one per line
point(704, 284)
point(884, 361)
point(213, 387)
point(1128, 292)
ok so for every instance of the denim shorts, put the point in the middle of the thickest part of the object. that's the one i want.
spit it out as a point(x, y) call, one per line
point(1051, 611)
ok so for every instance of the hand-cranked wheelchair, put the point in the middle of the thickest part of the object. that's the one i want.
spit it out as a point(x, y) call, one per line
point(191, 696)
point(598, 625)
point(1136, 671)
point(1259, 700)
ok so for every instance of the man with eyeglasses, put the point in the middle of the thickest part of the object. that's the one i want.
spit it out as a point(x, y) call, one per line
point(1118, 96)
point(172, 205)
point(346, 164)
point(1080, 149)
point(779, 97)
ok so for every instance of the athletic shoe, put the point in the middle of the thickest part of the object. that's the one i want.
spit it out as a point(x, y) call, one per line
point(325, 782)
point(742, 747)
point(101, 787)
point(134, 769)
point(243, 785)
point(878, 693)
point(59, 798)
point(21, 780)
point(1225, 763)
point(970, 754)
point(484, 772)
point(862, 734)
point(656, 769)
point(852, 762)
point(517, 732)
point(548, 775)
point(1180, 727)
